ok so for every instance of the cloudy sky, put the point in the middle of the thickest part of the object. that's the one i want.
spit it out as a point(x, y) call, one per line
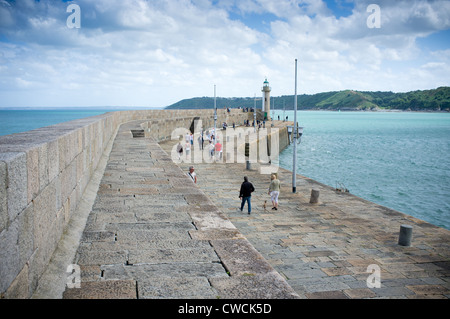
point(152, 53)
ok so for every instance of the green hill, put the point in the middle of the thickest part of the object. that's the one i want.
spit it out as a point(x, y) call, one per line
point(426, 100)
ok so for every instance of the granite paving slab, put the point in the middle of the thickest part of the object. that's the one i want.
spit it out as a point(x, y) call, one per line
point(153, 234)
point(111, 289)
point(325, 250)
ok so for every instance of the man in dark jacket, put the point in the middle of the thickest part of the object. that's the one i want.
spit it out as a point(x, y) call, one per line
point(245, 194)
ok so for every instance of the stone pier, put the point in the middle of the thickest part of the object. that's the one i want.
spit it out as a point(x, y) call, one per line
point(48, 177)
point(104, 198)
point(153, 234)
point(342, 247)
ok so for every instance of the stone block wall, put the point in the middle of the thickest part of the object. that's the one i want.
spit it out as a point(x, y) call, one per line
point(259, 138)
point(43, 175)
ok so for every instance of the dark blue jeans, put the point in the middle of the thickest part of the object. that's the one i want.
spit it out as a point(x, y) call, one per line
point(248, 200)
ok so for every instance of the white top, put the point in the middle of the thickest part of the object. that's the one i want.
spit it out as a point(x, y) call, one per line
point(192, 175)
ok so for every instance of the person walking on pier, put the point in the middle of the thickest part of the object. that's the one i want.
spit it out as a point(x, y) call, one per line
point(211, 149)
point(274, 191)
point(200, 141)
point(188, 149)
point(245, 194)
point(218, 149)
point(179, 150)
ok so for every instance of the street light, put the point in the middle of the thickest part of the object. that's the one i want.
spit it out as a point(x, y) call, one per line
point(254, 114)
point(215, 114)
point(294, 131)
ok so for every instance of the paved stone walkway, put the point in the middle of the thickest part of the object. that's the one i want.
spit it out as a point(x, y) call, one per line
point(153, 234)
point(324, 250)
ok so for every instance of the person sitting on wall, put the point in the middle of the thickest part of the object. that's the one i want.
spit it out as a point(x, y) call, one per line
point(192, 174)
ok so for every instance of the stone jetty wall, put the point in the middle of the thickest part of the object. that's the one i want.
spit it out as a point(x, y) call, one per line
point(259, 147)
point(44, 173)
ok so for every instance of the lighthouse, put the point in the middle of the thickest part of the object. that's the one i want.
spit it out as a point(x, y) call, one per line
point(266, 95)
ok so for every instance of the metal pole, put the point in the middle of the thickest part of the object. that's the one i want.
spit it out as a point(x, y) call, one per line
point(215, 115)
point(294, 131)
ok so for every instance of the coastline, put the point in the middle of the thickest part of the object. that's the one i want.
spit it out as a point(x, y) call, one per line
point(366, 111)
point(140, 108)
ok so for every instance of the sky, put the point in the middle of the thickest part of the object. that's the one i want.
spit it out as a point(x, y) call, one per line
point(153, 53)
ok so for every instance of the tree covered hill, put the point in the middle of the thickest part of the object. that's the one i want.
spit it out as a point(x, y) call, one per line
point(348, 100)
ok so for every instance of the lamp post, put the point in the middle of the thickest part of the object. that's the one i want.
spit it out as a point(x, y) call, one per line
point(254, 114)
point(294, 131)
point(215, 114)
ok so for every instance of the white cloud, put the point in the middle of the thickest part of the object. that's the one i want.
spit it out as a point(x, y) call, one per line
point(154, 53)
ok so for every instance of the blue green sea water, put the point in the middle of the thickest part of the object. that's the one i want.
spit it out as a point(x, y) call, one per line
point(400, 160)
point(396, 159)
point(17, 121)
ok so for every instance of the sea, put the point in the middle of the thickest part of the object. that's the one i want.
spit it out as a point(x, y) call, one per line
point(400, 160)
point(21, 120)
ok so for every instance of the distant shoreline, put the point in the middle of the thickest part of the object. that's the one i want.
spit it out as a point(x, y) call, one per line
point(78, 108)
point(370, 111)
point(116, 109)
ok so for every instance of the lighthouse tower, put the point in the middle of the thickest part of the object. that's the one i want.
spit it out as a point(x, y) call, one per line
point(266, 102)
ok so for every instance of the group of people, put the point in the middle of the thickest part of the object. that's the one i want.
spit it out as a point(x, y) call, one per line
point(259, 124)
point(215, 148)
point(247, 188)
point(188, 143)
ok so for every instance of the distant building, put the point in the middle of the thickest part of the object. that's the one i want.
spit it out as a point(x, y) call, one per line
point(266, 102)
